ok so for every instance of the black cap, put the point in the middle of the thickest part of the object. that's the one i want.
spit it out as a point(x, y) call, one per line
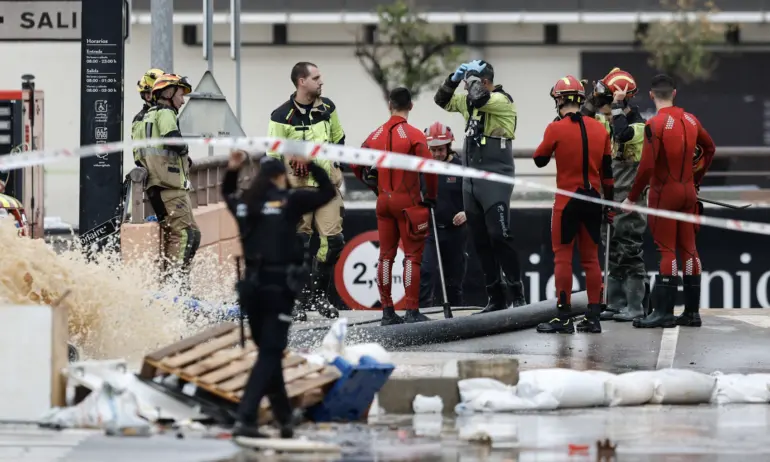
point(271, 167)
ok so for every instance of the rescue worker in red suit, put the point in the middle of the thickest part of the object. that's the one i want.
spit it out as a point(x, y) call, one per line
point(402, 212)
point(670, 141)
point(583, 152)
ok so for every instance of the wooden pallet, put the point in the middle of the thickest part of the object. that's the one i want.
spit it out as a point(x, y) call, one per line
point(214, 361)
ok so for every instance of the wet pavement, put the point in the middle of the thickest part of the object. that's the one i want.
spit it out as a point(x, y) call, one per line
point(731, 341)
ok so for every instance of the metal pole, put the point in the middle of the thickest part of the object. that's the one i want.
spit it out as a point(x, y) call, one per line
point(447, 306)
point(235, 50)
point(28, 83)
point(208, 42)
point(208, 34)
point(162, 39)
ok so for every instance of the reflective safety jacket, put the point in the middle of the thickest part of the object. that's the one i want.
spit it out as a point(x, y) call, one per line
point(137, 133)
point(318, 123)
point(490, 113)
point(167, 166)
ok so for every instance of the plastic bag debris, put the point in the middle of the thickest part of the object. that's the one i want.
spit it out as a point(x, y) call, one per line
point(741, 388)
point(630, 389)
point(570, 388)
point(680, 386)
point(427, 404)
point(333, 345)
point(111, 408)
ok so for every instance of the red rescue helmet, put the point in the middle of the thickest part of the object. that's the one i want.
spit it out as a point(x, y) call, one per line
point(617, 80)
point(568, 89)
point(439, 134)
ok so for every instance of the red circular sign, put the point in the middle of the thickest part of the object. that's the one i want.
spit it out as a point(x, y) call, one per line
point(355, 274)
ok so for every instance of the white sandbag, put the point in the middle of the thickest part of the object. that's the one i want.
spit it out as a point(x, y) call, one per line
point(353, 353)
point(489, 395)
point(427, 404)
point(741, 388)
point(570, 388)
point(630, 389)
point(680, 386)
point(470, 388)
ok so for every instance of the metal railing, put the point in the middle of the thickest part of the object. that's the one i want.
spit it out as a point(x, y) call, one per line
point(206, 177)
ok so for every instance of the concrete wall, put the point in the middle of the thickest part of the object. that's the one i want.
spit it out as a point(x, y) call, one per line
point(526, 72)
point(219, 242)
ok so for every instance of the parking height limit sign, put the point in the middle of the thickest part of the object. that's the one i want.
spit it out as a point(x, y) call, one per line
point(101, 109)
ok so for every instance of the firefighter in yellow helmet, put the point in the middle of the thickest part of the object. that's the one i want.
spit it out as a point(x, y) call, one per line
point(168, 169)
point(144, 87)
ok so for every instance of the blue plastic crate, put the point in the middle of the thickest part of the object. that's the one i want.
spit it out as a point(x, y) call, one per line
point(350, 397)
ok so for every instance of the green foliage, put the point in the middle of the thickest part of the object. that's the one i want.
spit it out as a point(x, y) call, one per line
point(680, 46)
point(405, 52)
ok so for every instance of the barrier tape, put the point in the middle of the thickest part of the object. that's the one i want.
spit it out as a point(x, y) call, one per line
point(359, 156)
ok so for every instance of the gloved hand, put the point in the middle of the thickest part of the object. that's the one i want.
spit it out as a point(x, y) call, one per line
point(299, 168)
point(459, 73)
point(476, 65)
point(609, 214)
point(370, 176)
point(428, 203)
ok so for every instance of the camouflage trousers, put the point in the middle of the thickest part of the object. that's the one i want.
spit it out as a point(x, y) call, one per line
point(627, 238)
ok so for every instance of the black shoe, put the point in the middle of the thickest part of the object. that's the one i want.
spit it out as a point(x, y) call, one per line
point(247, 431)
point(326, 309)
point(413, 316)
point(516, 290)
point(563, 325)
point(688, 320)
point(690, 317)
point(496, 294)
point(591, 324)
point(287, 431)
point(664, 295)
point(389, 317)
point(634, 290)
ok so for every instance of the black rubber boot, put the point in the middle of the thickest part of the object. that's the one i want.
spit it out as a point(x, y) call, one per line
point(616, 298)
point(389, 317)
point(562, 323)
point(516, 294)
point(664, 296)
point(497, 302)
point(247, 431)
point(690, 317)
point(412, 316)
point(319, 297)
point(646, 300)
point(591, 324)
point(634, 293)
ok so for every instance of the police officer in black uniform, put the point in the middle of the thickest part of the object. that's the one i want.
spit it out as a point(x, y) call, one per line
point(450, 221)
point(276, 270)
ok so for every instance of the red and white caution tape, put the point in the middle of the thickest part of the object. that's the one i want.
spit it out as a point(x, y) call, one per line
point(359, 156)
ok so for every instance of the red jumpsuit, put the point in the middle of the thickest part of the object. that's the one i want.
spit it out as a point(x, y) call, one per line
point(583, 154)
point(667, 166)
point(398, 190)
